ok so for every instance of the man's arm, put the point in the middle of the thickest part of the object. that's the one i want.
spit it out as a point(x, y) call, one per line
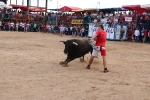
point(93, 37)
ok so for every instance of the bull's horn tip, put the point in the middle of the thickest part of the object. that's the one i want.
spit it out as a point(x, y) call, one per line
point(75, 43)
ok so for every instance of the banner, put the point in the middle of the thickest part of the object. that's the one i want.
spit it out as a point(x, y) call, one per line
point(128, 19)
point(118, 29)
point(113, 33)
point(125, 34)
point(90, 33)
point(92, 29)
point(76, 21)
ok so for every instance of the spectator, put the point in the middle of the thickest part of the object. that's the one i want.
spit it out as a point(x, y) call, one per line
point(137, 34)
point(145, 36)
point(61, 30)
point(1, 26)
point(17, 25)
point(122, 33)
point(142, 34)
point(25, 27)
point(12, 26)
point(130, 34)
point(74, 31)
point(149, 36)
point(34, 26)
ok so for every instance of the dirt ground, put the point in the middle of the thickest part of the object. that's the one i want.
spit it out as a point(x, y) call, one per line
point(30, 70)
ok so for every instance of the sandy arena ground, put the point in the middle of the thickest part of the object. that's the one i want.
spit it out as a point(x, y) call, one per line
point(30, 70)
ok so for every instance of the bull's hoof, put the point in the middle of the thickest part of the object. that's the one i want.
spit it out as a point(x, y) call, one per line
point(82, 60)
point(62, 62)
point(65, 65)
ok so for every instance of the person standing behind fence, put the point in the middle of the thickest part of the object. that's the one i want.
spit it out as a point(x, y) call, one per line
point(12, 26)
point(122, 34)
point(1, 26)
point(34, 26)
point(136, 34)
point(17, 24)
point(86, 31)
point(71, 30)
point(78, 29)
point(130, 33)
point(28, 26)
point(145, 36)
point(149, 36)
point(74, 31)
point(25, 27)
point(82, 32)
point(61, 30)
point(9, 25)
point(142, 35)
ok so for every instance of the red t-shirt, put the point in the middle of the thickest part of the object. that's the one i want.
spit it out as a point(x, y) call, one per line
point(101, 38)
point(130, 32)
point(145, 33)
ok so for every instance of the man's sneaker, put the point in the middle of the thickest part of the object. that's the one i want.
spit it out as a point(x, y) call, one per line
point(105, 71)
point(88, 67)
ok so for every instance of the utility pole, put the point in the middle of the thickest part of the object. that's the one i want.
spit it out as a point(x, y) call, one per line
point(10, 2)
point(28, 5)
point(37, 3)
point(57, 14)
point(16, 2)
point(22, 2)
point(46, 12)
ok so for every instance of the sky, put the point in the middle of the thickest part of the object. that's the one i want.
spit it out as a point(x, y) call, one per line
point(52, 4)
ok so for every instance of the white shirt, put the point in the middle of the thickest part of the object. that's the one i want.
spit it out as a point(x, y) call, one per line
point(61, 28)
point(82, 30)
point(148, 34)
point(71, 28)
point(137, 33)
point(12, 24)
point(0, 23)
point(22, 24)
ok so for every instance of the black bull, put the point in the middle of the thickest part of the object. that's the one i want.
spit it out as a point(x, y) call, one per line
point(75, 48)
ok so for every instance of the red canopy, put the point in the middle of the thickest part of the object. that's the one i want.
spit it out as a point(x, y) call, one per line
point(68, 8)
point(135, 7)
point(22, 7)
point(131, 7)
point(36, 10)
point(14, 6)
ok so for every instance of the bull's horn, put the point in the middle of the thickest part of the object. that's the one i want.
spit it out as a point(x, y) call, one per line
point(62, 41)
point(75, 43)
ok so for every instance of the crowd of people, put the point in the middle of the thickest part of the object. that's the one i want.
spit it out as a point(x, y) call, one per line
point(14, 20)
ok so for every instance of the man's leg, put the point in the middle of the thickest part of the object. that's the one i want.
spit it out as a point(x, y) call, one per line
point(104, 61)
point(104, 64)
point(103, 53)
point(90, 62)
point(94, 54)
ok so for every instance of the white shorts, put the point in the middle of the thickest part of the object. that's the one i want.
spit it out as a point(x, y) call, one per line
point(96, 51)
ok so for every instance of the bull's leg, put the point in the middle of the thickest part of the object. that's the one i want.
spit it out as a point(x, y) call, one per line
point(82, 59)
point(62, 62)
point(66, 61)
